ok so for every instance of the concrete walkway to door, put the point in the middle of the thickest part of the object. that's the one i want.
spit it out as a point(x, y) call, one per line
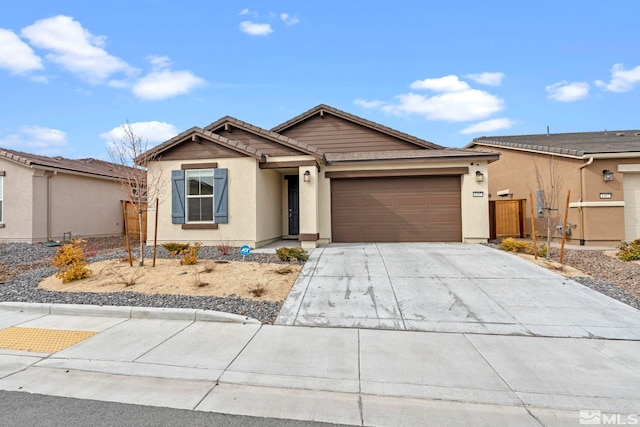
point(448, 287)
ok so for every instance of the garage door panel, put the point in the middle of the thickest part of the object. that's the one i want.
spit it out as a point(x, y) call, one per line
point(396, 209)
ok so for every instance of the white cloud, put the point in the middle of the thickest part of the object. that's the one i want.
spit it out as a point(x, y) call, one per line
point(449, 83)
point(489, 79)
point(621, 80)
point(488, 126)
point(567, 92)
point(255, 29)
point(471, 104)
point(75, 48)
point(288, 19)
point(37, 140)
point(164, 84)
point(15, 55)
point(159, 62)
point(244, 12)
point(153, 132)
point(368, 104)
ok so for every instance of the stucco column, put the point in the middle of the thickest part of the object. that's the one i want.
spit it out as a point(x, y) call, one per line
point(475, 205)
point(309, 231)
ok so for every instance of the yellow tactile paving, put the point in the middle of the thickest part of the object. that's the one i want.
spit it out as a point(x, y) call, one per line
point(40, 340)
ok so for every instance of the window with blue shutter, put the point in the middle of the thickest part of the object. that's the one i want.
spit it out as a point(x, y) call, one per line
point(199, 196)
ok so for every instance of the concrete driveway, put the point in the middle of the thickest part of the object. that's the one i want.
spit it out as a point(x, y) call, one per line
point(448, 287)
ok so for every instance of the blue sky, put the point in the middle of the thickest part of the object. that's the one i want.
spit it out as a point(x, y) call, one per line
point(72, 71)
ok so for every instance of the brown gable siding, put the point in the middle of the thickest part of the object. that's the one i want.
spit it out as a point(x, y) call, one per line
point(261, 144)
point(335, 135)
point(190, 150)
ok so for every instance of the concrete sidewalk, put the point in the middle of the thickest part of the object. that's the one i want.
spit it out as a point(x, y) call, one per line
point(206, 361)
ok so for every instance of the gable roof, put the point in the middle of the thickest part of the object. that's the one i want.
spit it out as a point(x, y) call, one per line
point(273, 136)
point(579, 144)
point(89, 166)
point(322, 108)
point(200, 133)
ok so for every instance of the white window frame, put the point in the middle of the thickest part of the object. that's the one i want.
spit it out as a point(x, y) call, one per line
point(199, 172)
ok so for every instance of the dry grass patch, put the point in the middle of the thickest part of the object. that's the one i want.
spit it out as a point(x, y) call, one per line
point(169, 277)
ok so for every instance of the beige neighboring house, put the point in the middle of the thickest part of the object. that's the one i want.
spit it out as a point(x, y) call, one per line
point(601, 169)
point(323, 176)
point(42, 198)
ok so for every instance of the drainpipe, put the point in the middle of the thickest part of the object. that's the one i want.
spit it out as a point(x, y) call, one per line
point(49, 175)
point(581, 168)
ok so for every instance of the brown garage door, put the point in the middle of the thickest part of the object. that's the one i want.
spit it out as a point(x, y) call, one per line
point(404, 209)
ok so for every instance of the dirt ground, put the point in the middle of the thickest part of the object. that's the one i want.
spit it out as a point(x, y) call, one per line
point(556, 267)
point(207, 278)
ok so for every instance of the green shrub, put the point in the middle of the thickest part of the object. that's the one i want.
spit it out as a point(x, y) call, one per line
point(292, 254)
point(190, 256)
point(176, 248)
point(512, 245)
point(71, 261)
point(629, 251)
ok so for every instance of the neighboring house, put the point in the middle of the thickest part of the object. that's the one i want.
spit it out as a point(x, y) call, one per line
point(42, 198)
point(323, 176)
point(601, 169)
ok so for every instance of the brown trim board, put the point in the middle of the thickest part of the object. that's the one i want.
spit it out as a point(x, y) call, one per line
point(187, 166)
point(396, 172)
point(289, 164)
point(308, 237)
point(199, 226)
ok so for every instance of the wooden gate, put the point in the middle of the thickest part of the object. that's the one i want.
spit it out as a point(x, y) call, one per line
point(131, 220)
point(507, 218)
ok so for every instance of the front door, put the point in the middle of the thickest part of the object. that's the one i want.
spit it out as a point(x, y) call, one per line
point(293, 204)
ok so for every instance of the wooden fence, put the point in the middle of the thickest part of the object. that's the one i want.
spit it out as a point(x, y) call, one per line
point(130, 216)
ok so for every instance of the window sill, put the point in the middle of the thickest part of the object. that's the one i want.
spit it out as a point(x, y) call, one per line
point(199, 226)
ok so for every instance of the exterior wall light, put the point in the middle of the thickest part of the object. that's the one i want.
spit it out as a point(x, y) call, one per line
point(479, 176)
point(307, 176)
point(607, 175)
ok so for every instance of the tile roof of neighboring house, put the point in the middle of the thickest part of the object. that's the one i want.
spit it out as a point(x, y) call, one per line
point(443, 154)
point(274, 136)
point(570, 144)
point(196, 131)
point(88, 166)
point(359, 120)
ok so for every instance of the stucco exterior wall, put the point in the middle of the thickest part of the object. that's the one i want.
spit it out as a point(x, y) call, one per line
point(17, 203)
point(242, 185)
point(84, 206)
point(594, 220)
point(269, 204)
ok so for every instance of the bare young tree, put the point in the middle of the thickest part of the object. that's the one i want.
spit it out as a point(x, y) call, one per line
point(131, 155)
point(548, 195)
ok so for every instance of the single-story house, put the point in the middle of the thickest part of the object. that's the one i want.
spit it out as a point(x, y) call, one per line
point(600, 169)
point(323, 176)
point(42, 198)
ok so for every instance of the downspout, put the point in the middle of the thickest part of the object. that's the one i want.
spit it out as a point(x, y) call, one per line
point(49, 175)
point(581, 168)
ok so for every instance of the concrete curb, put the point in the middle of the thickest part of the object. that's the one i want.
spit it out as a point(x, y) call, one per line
point(128, 312)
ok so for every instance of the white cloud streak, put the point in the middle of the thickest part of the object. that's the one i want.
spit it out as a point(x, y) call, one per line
point(152, 131)
point(621, 80)
point(488, 126)
point(17, 56)
point(567, 92)
point(75, 48)
point(159, 85)
point(289, 20)
point(449, 83)
point(255, 29)
point(37, 140)
point(489, 79)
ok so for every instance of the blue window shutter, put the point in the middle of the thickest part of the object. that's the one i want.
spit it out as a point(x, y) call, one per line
point(221, 196)
point(177, 197)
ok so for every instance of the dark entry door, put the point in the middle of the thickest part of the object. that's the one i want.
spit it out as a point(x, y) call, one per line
point(294, 205)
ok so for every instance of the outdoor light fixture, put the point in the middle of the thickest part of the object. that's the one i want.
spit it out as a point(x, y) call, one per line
point(479, 176)
point(607, 175)
point(307, 176)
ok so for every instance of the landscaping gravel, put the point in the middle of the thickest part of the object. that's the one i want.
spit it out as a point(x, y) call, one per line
point(33, 260)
